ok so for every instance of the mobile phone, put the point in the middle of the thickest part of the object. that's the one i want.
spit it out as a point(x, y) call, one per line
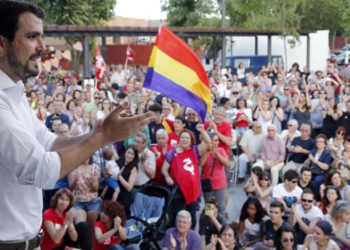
point(207, 207)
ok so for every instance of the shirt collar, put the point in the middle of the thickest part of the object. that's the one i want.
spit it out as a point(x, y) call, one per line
point(17, 89)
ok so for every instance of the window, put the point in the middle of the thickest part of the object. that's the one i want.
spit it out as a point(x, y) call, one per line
point(245, 61)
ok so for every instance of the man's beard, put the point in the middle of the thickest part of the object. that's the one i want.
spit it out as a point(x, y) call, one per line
point(17, 67)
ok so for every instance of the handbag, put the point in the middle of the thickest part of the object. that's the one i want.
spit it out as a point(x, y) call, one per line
point(206, 183)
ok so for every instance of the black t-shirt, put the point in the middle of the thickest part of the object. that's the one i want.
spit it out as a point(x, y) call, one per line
point(207, 227)
point(313, 188)
point(305, 144)
point(268, 230)
point(344, 121)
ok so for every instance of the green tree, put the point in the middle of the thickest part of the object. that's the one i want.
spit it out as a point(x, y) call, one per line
point(77, 12)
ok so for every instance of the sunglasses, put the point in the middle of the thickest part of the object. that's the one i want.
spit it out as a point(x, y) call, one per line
point(265, 179)
point(97, 98)
point(294, 182)
point(285, 240)
point(235, 93)
point(305, 200)
point(340, 133)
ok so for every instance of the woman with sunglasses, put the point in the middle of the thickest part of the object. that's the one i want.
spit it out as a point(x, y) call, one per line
point(285, 239)
point(339, 219)
point(341, 161)
point(334, 179)
point(321, 238)
point(336, 145)
point(330, 118)
point(317, 106)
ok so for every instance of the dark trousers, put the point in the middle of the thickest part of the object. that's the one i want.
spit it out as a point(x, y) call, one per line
point(84, 240)
point(179, 204)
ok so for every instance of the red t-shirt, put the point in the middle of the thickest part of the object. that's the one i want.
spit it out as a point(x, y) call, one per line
point(224, 129)
point(51, 215)
point(114, 239)
point(218, 179)
point(243, 123)
point(173, 139)
point(160, 160)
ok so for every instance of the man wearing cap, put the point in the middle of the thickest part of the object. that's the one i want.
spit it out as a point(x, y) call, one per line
point(321, 238)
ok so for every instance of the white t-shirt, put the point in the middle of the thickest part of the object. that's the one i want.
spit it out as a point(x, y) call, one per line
point(114, 167)
point(312, 214)
point(289, 197)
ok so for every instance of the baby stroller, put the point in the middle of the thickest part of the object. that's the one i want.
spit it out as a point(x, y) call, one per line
point(148, 213)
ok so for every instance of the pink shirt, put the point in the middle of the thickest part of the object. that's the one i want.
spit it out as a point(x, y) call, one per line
point(273, 150)
point(218, 179)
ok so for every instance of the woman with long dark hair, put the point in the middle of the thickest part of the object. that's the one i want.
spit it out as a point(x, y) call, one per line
point(285, 239)
point(330, 118)
point(252, 214)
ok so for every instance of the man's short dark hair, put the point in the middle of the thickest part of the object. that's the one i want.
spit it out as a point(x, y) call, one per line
point(277, 204)
point(305, 168)
point(291, 175)
point(223, 101)
point(307, 191)
point(213, 201)
point(56, 119)
point(155, 108)
point(10, 10)
point(181, 118)
point(115, 86)
point(121, 95)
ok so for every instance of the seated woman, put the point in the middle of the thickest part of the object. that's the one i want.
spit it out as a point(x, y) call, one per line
point(321, 238)
point(336, 145)
point(84, 183)
point(330, 197)
point(250, 220)
point(109, 231)
point(341, 161)
point(213, 164)
point(319, 160)
point(58, 227)
point(334, 179)
point(127, 176)
point(226, 240)
point(339, 219)
point(285, 239)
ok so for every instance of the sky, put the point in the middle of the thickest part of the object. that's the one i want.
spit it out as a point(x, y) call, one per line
point(142, 9)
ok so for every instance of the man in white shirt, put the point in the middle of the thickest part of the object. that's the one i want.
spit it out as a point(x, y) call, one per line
point(250, 145)
point(304, 216)
point(31, 157)
point(288, 192)
point(119, 77)
point(147, 163)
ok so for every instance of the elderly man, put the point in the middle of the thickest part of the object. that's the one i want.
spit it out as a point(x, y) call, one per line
point(289, 134)
point(119, 77)
point(250, 145)
point(93, 104)
point(57, 108)
point(272, 153)
point(182, 237)
point(147, 163)
point(300, 149)
point(223, 129)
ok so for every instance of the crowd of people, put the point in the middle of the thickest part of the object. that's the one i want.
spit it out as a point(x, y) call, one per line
point(289, 129)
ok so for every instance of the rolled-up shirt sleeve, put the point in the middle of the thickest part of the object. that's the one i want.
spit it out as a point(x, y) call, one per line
point(25, 144)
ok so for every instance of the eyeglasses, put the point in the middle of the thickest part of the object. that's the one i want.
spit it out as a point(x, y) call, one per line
point(62, 132)
point(286, 89)
point(235, 93)
point(293, 182)
point(308, 201)
point(270, 130)
point(97, 98)
point(285, 240)
point(265, 179)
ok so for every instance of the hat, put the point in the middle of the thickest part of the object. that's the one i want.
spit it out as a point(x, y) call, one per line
point(325, 226)
point(269, 89)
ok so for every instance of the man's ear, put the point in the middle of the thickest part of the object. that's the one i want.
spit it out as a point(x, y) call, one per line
point(3, 45)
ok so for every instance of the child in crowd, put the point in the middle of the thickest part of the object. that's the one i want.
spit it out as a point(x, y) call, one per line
point(111, 172)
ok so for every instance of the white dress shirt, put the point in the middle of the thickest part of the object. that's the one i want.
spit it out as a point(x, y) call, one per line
point(26, 165)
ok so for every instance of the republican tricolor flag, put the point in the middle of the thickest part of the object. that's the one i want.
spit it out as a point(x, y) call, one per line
point(175, 71)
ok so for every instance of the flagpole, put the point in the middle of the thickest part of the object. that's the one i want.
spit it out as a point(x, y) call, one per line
point(126, 64)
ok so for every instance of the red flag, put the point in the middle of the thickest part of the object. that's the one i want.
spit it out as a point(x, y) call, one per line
point(130, 54)
point(100, 65)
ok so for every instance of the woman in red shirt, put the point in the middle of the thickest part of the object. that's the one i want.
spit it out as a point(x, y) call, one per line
point(109, 231)
point(58, 221)
point(217, 160)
